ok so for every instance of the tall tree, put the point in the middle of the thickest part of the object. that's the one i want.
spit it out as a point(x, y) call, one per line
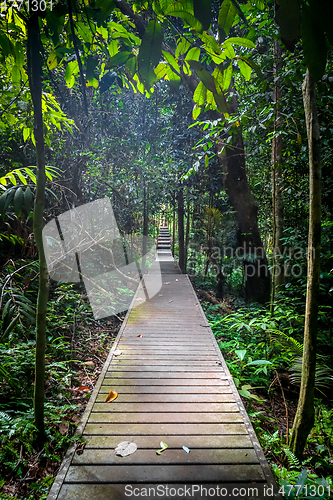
point(35, 84)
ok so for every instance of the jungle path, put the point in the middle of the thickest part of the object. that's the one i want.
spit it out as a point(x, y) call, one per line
point(173, 386)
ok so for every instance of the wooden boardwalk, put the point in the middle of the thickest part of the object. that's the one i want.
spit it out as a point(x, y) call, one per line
point(173, 386)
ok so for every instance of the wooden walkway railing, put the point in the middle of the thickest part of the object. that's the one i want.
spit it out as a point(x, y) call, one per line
point(173, 386)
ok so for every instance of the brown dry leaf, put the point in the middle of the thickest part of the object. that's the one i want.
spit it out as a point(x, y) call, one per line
point(139, 335)
point(83, 388)
point(63, 428)
point(89, 363)
point(76, 419)
point(111, 396)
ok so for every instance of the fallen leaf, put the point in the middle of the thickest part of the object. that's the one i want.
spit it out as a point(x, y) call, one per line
point(63, 428)
point(125, 448)
point(245, 454)
point(83, 388)
point(185, 448)
point(170, 300)
point(117, 352)
point(111, 396)
point(167, 283)
point(164, 446)
point(205, 326)
point(139, 335)
point(76, 419)
point(177, 280)
point(89, 363)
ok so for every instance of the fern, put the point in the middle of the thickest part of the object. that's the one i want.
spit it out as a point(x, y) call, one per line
point(292, 459)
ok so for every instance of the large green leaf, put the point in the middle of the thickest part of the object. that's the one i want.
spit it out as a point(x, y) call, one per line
point(28, 198)
point(150, 53)
point(118, 59)
point(226, 18)
point(91, 66)
point(288, 17)
point(202, 11)
point(184, 10)
point(314, 44)
point(245, 69)
point(236, 40)
point(200, 93)
point(18, 201)
point(209, 82)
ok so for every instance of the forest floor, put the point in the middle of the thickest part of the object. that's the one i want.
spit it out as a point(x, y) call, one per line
point(90, 348)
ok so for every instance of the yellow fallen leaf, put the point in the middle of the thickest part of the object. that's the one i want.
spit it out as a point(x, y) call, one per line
point(111, 396)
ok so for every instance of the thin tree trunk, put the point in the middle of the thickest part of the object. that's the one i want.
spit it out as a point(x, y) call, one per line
point(304, 418)
point(181, 249)
point(187, 232)
point(174, 226)
point(35, 84)
point(277, 177)
point(145, 226)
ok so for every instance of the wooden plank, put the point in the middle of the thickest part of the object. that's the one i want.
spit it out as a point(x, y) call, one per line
point(238, 441)
point(155, 375)
point(135, 380)
point(131, 407)
point(163, 473)
point(167, 417)
point(166, 429)
point(171, 398)
point(167, 491)
point(178, 456)
point(162, 389)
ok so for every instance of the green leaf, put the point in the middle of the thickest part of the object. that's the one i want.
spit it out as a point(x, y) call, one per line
point(241, 353)
point(193, 53)
point(131, 67)
point(150, 53)
point(28, 198)
point(119, 59)
point(288, 17)
point(91, 66)
point(260, 362)
point(226, 18)
point(196, 111)
point(209, 83)
point(202, 11)
point(184, 10)
point(244, 42)
point(314, 44)
point(171, 60)
point(245, 69)
point(26, 133)
point(16, 75)
point(163, 446)
point(200, 93)
point(52, 60)
point(254, 66)
point(18, 201)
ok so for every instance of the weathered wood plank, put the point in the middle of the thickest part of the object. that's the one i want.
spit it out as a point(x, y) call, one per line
point(163, 473)
point(166, 429)
point(135, 380)
point(239, 441)
point(117, 406)
point(155, 375)
point(170, 398)
point(172, 417)
point(162, 389)
point(171, 491)
point(195, 370)
point(179, 456)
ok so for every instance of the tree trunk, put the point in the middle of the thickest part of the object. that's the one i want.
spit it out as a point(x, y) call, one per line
point(187, 232)
point(277, 177)
point(232, 160)
point(173, 226)
point(145, 227)
point(35, 85)
point(304, 418)
point(181, 249)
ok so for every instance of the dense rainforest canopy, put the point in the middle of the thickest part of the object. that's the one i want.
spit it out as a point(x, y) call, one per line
point(211, 117)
